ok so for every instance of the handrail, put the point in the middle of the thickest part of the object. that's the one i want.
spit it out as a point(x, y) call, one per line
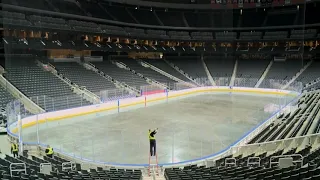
point(251, 162)
point(230, 161)
point(24, 169)
point(68, 166)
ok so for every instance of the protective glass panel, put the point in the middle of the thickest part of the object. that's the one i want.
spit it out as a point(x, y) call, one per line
point(108, 136)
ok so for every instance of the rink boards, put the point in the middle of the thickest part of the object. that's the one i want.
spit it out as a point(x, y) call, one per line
point(136, 103)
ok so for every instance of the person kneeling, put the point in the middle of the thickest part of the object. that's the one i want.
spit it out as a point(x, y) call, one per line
point(49, 151)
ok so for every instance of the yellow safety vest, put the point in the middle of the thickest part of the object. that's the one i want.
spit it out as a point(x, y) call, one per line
point(14, 147)
point(150, 137)
point(50, 151)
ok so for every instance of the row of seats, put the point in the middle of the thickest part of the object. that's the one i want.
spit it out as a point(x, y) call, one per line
point(282, 71)
point(305, 169)
point(33, 170)
point(248, 68)
point(300, 122)
point(310, 74)
point(313, 85)
point(42, 87)
point(221, 69)
point(83, 77)
point(190, 65)
point(148, 72)
point(5, 98)
point(120, 74)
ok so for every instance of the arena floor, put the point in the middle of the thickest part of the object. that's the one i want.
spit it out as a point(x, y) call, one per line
point(189, 128)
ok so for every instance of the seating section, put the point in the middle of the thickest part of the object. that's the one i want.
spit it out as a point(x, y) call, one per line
point(12, 15)
point(301, 34)
point(113, 30)
point(202, 35)
point(274, 35)
point(148, 72)
point(220, 66)
point(49, 22)
point(167, 68)
point(300, 122)
point(33, 170)
point(241, 171)
point(226, 35)
point(179, 35)
point(136, 32)
point(282, 71)
point(5, 98)
point(120, 74)
point(250, 35)
point(311, 73)
point(252, 69)
point(83, 77)
point(190, 65)
point(13, 18)
point(84, 26)
point(314, 86)
point(157, 34)
point(42, 87)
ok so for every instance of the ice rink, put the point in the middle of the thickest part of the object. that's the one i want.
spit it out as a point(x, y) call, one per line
point(189, 128)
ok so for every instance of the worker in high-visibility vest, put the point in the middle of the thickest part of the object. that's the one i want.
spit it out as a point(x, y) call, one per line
point(14, 149)
point(49, 151)
point(152, 140)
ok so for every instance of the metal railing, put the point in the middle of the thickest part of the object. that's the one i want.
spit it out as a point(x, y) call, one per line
point(230, 162)
point(17, 167)
point(253, 161)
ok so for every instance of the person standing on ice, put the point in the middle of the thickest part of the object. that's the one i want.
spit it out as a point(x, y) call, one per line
point(152, 140)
